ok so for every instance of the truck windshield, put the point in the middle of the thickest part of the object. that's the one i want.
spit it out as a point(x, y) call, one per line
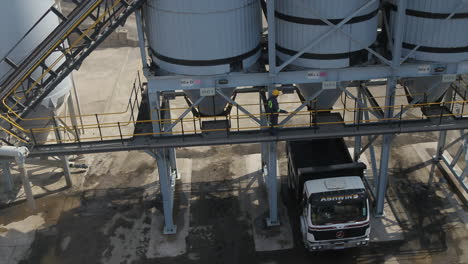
point(339, 212)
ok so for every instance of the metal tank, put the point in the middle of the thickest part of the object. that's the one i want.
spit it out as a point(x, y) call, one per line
point(16, 19)
point(439, 39)
point(204, 37)
point(298, 24)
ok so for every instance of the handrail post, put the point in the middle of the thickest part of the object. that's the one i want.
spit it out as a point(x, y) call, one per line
point(99, 126)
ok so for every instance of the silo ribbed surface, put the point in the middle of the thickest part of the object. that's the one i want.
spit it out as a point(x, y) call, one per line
point(203, 37)
point(16, 18)
point(427, 26)
point(298, 24)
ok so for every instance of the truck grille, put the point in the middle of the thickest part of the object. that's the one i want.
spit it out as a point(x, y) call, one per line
point(339, 233)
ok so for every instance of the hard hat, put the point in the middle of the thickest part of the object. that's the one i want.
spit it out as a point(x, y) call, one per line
point(275, 92)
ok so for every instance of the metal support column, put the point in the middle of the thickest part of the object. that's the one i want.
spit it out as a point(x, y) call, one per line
point(141, 38)
point(165, 160)
point(167, 186)
point(66, 163)
point(272, 185)
point(26, 183)
point(78, 104)
point(71, 110)
point(7, 177)
point(170, 152)
point(264, 123)
point(441, 145)
point(438, 155)
point(358, 117)
point(66, 170)
point(389, 110)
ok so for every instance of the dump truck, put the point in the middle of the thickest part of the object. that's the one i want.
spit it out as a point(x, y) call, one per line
point(329, 189)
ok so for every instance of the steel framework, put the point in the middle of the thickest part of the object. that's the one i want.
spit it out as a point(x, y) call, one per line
point(158, 133)
point(391, 70)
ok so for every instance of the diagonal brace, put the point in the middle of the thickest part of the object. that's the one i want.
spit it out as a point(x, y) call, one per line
point(326, 21)
point(360, 104)
point(416, 100)
point(459, 6)
point(287, 119)
point(184, 114)
point(243, 110)
point(328, 33)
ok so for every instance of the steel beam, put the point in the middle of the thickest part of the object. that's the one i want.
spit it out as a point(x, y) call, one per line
point(358, 116)
point(242, 109)
point(254, 136)
point(271, 39)
point(182, 116)
point(390, 101)
point(171, 152)
point(238, 79)
point(64, 158)
point(272, 185)
point(66, 170)
point(141, 38)
point(154, 99)
point(167, 186)
point(26, 182)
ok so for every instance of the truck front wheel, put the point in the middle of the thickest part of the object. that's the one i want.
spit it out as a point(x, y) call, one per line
point(304, 241)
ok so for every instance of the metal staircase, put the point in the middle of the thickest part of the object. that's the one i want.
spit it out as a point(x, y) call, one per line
point(89, 24)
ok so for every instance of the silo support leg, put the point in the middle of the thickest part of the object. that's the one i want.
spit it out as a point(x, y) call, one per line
point(383, 175)
point(272, 185)
point(7, 178)
point(167, 186)
point(66, 170)
point(26, 184)
point(357, 148)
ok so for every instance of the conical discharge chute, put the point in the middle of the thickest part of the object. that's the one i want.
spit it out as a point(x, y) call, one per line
point(298, 24)
point(204, 37)
point(16, 19)
point(439, 40)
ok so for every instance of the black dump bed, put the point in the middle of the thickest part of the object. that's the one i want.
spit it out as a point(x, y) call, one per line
point(322, 158)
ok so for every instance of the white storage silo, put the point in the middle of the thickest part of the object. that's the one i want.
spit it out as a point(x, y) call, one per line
point(16, 19)
point(204, 37)
point(298, 24)
point(439, 39)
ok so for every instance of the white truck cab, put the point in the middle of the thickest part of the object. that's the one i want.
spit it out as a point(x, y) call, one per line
point(335, 213)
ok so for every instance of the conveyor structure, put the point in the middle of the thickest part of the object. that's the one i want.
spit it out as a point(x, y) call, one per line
point(345, 54)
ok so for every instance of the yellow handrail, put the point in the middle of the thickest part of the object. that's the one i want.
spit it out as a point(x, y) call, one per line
point(189, 120)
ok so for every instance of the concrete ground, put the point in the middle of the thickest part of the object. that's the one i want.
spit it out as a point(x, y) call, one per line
point(113, 213)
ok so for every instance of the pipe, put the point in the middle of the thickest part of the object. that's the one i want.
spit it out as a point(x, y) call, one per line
point(20, 154)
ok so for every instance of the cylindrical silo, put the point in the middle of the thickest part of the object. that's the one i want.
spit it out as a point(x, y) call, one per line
point(299, 24)
point(438, 39)
point(16, 19)
point(427, 26)
point(204, 37)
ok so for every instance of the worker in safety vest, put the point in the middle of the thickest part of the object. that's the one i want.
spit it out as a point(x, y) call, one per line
point(273, 110)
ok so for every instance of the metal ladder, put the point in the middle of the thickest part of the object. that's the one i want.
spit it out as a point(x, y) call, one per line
point(20, 92)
